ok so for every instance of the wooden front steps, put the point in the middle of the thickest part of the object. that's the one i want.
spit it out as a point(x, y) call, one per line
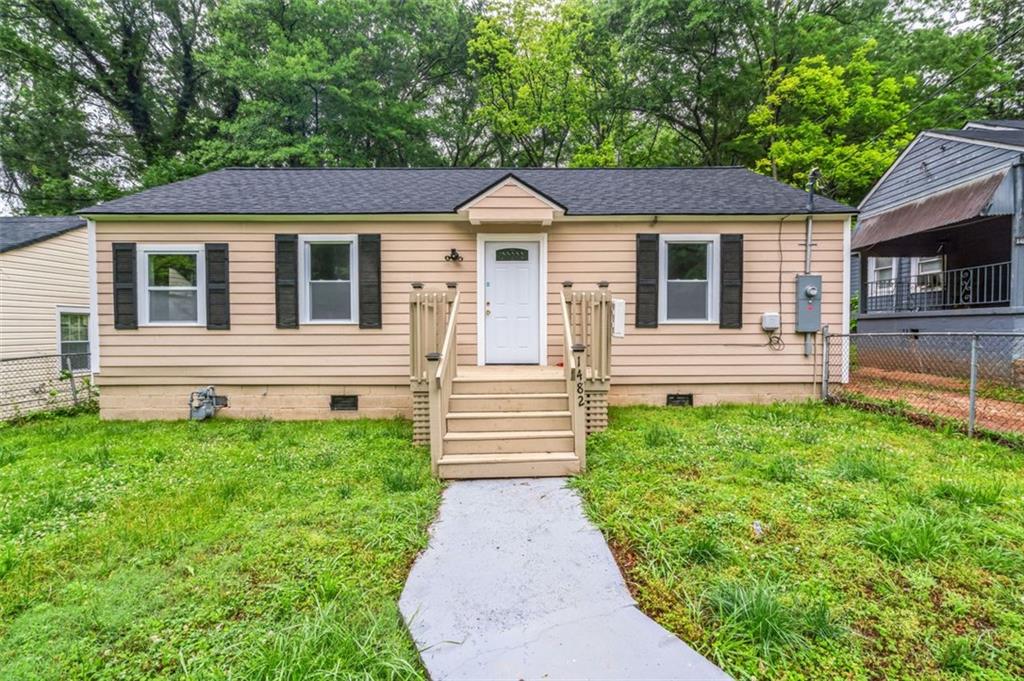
point(506, 422)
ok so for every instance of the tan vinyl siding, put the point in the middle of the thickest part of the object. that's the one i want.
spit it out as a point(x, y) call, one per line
point(34, 281)
point(255, 353)
point(702, 353)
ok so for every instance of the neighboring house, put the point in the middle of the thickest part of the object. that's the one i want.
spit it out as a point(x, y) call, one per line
point(300, 292)
point(44, 288)
point(941, 238)
point(44, 310)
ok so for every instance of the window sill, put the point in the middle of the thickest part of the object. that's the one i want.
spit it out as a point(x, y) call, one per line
point(686, 321)
point(165, 325)
point(329, 322)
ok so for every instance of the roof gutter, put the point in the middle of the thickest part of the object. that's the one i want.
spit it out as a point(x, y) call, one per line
point(442, 217)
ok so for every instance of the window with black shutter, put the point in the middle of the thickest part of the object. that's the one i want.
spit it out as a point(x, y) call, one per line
point(647, 281)
point(218, 309)
point(286, 280)
point(369, 282)
point(730, 314)
point(126, 314)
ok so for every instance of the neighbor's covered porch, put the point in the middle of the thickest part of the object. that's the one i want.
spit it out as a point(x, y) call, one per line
point(958, 251)
point(954, 267)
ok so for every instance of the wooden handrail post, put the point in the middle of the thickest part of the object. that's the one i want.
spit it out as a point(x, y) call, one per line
point(436, 417)
point(579, 406)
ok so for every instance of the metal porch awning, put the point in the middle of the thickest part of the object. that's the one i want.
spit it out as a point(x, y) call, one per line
point(964, 202)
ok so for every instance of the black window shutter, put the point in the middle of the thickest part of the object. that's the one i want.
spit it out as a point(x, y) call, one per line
point(369, 282)
point(126, 315)
point(218, 307)
point(286, 280)
point(730, 310)
point(647, 281)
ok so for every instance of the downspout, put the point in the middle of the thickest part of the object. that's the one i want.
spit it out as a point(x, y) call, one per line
point(812, 180)
point(1017, 237)
point(1017, 256)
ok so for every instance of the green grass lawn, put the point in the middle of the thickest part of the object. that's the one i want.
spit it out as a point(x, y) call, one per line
point(242, 549)
point(808, 541)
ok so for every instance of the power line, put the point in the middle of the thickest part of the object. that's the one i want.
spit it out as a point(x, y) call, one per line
point(950, 81)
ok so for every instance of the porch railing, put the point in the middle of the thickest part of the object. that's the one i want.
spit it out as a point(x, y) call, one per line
point(965, 287)
point(574, 358)
point(430, 315)
point(590, 314)
point(440, 380)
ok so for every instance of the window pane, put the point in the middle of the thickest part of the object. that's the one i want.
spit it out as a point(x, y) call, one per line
point(329, 262)
point(173, 306)
point(74, 326)
point(688, 261)
point(929, 265)
point(687, 300)
point(330, 300)
point(75, 355)
point(172, 269)
point(882, 263)
point(512, 255)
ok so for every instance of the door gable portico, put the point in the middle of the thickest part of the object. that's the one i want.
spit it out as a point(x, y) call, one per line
point(510, 200)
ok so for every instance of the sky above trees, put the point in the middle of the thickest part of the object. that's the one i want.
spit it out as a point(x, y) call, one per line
point(102, 97)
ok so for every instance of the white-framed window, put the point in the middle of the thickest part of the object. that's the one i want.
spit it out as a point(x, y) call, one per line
point(881, 269)
point(688, 272)
point(73, 338)
point(172, 285)
point(328, 274)
point(927, 272)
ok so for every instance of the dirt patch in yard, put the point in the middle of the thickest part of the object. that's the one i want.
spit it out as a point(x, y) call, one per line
point(938, 395)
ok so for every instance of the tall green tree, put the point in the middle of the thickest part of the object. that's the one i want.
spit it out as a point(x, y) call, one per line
point(120, 74)
point(336, 82)
point(844, 119)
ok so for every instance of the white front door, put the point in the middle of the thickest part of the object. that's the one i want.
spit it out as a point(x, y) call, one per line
point(511, 302)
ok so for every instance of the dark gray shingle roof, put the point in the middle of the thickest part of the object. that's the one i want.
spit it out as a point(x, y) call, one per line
point(22, 231)
point(1010, 137)
point(592, 191)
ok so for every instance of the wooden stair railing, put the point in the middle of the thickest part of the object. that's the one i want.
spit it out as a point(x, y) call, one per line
point(430, 313)
point(443, 366)
point(590, 316)
point(574, 359)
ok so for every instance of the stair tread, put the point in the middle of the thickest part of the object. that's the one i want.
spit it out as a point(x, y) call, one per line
point(505, 458)
point(508, 378)
point(508, 434)
point(506, 414)
point(491, 396)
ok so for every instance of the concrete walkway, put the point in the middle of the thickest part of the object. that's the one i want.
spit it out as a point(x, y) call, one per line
point(517, 584)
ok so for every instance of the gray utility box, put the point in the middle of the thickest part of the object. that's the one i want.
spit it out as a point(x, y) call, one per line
point(808, 303)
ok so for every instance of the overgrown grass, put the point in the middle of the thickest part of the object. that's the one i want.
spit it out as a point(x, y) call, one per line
point(814, 541)
point(242, 549)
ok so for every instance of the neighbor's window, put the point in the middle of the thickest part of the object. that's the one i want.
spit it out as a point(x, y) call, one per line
point(74, 341)
point(929, 272)
point(882, 269)
point(689, 279)
point(174, 289)
point(328, 273)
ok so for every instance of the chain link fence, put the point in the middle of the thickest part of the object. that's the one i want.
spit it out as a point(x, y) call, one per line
point(44, 383)
point(971, 381)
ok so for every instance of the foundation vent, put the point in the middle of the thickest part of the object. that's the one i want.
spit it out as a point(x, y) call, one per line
point(344, 402)
point(679, 400)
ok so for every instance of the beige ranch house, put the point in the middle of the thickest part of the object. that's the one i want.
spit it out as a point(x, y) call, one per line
point(502, 310)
